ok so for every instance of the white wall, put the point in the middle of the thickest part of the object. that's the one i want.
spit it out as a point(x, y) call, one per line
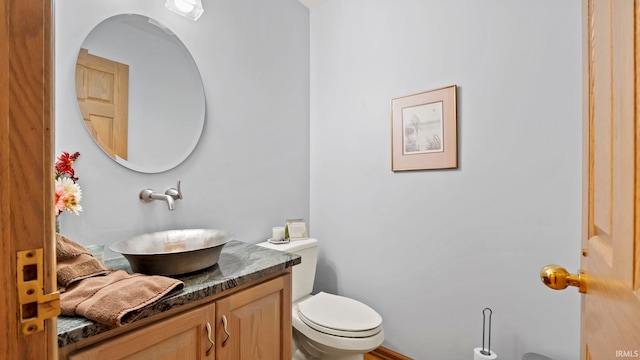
point(430, 250)
point(250, 170)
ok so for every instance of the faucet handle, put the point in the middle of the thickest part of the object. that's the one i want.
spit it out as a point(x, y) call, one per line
point(173, 192)
point(145, 195)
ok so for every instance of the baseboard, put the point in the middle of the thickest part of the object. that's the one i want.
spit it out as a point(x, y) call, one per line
point(386, 354)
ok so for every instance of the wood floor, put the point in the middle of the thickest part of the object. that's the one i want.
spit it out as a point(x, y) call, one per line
point(383, 353)
point(372, 356)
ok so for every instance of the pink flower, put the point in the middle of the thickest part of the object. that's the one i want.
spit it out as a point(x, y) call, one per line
point(68, 196)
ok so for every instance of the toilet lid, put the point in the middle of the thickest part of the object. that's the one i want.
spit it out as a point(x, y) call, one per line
point(340, 313)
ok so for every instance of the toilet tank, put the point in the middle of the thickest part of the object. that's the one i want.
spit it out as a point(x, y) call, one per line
point(304, 274)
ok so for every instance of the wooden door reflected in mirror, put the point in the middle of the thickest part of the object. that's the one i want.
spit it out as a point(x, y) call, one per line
point(102, 88)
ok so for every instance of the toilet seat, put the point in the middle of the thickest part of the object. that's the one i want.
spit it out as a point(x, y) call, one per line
point(339, 316)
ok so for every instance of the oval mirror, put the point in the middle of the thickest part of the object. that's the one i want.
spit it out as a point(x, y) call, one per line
point(140, 93)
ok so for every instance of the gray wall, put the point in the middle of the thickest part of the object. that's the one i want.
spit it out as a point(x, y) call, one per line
point(250, 170)
point(429, 250)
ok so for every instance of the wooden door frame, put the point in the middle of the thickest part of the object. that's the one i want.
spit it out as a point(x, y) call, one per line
point(586, 156)
point(26, 164)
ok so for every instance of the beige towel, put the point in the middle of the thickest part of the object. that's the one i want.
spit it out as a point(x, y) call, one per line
point(90, 289)
point(117, 298)
point(74, 262)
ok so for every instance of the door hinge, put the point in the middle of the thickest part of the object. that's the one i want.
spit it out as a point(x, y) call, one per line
point(35, 305)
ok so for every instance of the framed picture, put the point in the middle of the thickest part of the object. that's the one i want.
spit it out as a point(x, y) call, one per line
point(424, 131)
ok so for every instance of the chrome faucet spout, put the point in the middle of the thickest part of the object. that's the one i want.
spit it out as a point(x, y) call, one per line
point(168, 198)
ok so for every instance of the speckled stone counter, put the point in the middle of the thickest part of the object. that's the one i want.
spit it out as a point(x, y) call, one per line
point(239, 263)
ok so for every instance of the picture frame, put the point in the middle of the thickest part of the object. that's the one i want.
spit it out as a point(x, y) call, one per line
point(424, 132)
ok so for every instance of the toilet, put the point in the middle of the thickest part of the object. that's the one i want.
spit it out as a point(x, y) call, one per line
point(326, 326)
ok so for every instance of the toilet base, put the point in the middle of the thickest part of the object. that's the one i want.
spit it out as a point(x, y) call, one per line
point(299, 355)
point(306, 349)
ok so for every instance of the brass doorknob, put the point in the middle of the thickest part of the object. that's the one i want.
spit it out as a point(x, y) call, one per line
point(558, 278)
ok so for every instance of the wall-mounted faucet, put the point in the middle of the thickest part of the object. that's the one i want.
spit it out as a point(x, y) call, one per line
point(170, 196)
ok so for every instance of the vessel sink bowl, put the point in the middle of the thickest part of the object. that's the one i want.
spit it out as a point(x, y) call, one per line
point(173, 252)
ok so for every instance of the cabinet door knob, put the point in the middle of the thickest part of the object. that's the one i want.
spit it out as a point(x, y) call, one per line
point(224, 325)
point(209, 338)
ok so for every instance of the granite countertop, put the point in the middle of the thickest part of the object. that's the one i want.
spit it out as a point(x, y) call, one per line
point(239, 263)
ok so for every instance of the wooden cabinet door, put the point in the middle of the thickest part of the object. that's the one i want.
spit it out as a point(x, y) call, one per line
point(180, 337)
point(255, 323)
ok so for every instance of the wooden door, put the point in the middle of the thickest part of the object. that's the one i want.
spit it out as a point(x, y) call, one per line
point(26, 165)
point(610, 319)
point(102, 89)
point(255, 323)
point(180, 337)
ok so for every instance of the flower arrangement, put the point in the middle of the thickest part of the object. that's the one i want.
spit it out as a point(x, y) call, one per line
point(68, 193)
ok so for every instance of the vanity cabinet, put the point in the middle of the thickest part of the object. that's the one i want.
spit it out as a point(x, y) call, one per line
point(179, 337)
point(255, 323)
point(251, 323)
